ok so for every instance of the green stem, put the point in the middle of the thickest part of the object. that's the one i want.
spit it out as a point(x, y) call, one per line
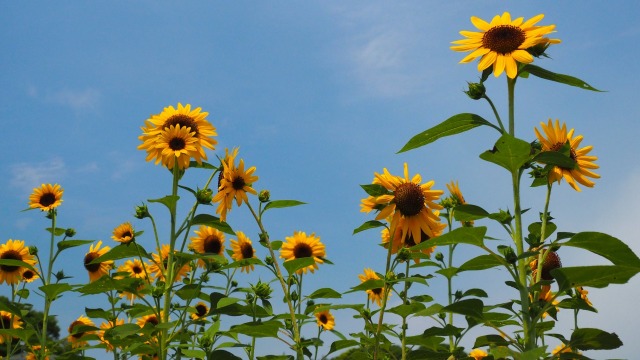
point(511, 86)
point(315, 357)
point(495, 112)
point(385, 292)
point(47, 300)
point(404, 319)
point(543, 228)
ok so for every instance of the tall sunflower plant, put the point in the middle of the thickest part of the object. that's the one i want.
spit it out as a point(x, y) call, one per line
point(529, 254)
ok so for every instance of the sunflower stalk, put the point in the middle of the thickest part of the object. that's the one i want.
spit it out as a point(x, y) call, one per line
point(385, 292)
point(405, 296)
point(47, 300)
point(543, 228)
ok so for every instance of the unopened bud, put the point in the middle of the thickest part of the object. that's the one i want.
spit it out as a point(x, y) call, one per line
point(294, 296)
point(269, 260)
point(70, 232)
point(476, 91)
point(439, 256)
point(33, 250)
point(264, 196)
point(142, 211)
point(404, 254)
point(262, 290)
point(204, 196)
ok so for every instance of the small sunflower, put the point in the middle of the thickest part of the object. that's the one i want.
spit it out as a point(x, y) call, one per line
point(409, 242)
point(97, 270)
point(582, 293)
point(325, 320)
point(29, 276)
point(407, 199)
point(478, 354)
point(76, 338)
point(151, 319)
point(242, 249)
point(235, 183)
point(201, 311)
point(124, 233)
point(457, 198)
point(46, 198)
point(158, 265)
point(8, 321)
point(301, 246)
point(546, 296)
point(376, 295)
point(503, 43)
point(135, 269)
point(104, 328)
point(36, 349)
point(14, 250)
point(555, 139)
point(208, 241)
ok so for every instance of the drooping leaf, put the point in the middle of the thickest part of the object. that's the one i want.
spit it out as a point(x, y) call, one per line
point(223, 355)
point(296, 264)
point(594, 339)
point(372, 224)
point(342, 344)
point(16, 264)
point(169, 201)
point(555, 158)
point(509, 152)
point(404, 310)
point(468, 307)
point(72, 243)
point(258, 329)
point(57, 231)
point(282, 204)
point(368, 285)
point(475, 292)
point(194, 353)
point(122, 251)
point(212, 221)
point(559, 78)
point(468, 212)
point(490, 340)
point(325, 293)
point(462, 235)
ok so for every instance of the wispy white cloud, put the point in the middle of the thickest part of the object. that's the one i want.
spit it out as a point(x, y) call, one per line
point(76, 99)
point(26, 176)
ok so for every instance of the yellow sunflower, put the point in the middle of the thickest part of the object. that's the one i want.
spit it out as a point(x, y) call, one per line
point(77, 338)
point(503, 43)
point(457, 198)
point(242, 249)
point(46, 198)
point(556, 137)
point(408, 200)
point(124, 233)
point(325, 320)
point(29, 276)
point(36, 349)
point(8, 321)
point(14, 250)
point(546, 295)
point(582, 293)
point(104, 328)
point(97, 270)
point(301, 246)
point(376, 295)
point(201, 311)
point(176, 144)
point(478, 354)
point(158, 265)
point(409, 242)
point(563, 349)
point(235, 183)
point(192, 121)
point(135, 269)
point(149, 319)
point(208, 241)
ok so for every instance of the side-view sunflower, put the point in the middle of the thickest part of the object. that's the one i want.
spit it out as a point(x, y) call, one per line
point(76, 335)
point(457, 198)
point(582, 293)
point(151, 319)
point(301, 245)
point(8, 321)
point(325, 320)
point(503, 42)
point(410, 200)
point(242, 249)
point(97, 270)
point(235, 183)
point(124, 233)
point(14, 250)
point(478, 354)
point(556, 137)
point(209, 241)
point(46, 198)
point(376, 295)
point(201, 311)
point(159, 262)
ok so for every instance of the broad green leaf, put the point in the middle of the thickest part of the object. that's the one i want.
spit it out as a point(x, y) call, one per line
point(189, 190)
point(449, 272)
point(372, 224)
point(462, 235)
point(368, 285)
point(454, 125)
point(23, 334)
point(296, 264)
point(534, 354)
point(342, 344)
point(277, 204)
point(212, 221)
point(189, 292)
point(169, 201)
point(468, 212)
point(475, 292)
point(573, 303)
point(57, 231)
point(606, 246)
point(124, 330)
point(559, 78)
point(406, 310)
point(123, 251)
point(243, 262)
point(193, 353)
point(468, 307)
point(430, 311)
point(53, 290)
point(325, 293)
point(429, 342)
point(482, 262)
point(598, 276)
point(203, 165)
point(536, 229)
point(275, 357)
point(276, 245)
point(509, 152)
point(490, 340)
point(260, 330)
point(594, 339)
point(72, 243)
point(375, 189)
point(555, 158)
point(443, 331)
point(23, 293)
point(14, 264)
point(223, 355)
point(422, 298)
point(98, 313)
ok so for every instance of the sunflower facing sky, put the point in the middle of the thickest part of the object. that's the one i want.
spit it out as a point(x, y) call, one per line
point(158, 265)
point(209, 241)
point(503, 42)
point(242, 249)
point(235, 183)
point(408, 200)
point(124, 233)
point(325, 320)
point(77, 338)
point(376, 295)
point(8, 321)
point(301, 245)
point(14, 250)
point(555, 138)
point(46, 198)
point(96, 271)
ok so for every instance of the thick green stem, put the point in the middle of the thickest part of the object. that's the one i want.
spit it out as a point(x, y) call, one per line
point(47, 300)
point(405, 296)
point(385, 292)
point(495, 112)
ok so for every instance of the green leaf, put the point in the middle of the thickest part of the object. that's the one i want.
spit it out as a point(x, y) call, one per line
point(243, 262)
point(170, 201)
point(258, 329)
point(372, 224)
point(606, 246)
point(277, 204)
point(189, 292)
point(475, 292)
point(16, 264)
point(468, 307)
point(275, 357)
point(598, 276)
point(462, 235)
point(406, 310)
point(453, 125)
point(555, 158)
point(368, 285)
point(203, 165)
point(594, 339)
point(123, 251)
point(72, 243)
point(223, 355)
point(375, 189)
point(276, 245)
point(560, 78)
point(57, 231)
point(490, 340)
point(53, 290)
point(98, 313)
point(481, 262)
point(212, 221)
point(573, 303)
point(296, 264)
point(430, 311)
point(124, 330)
point(449, 272)
point(536, 229)
point(509, 152)
point(534, 354)
point(325, 293)
point(468, 212)
point(194, 354)
point(342, 344)
point(429, 342)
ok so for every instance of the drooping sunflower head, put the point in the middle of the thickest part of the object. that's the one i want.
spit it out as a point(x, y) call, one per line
point(77, 334)
point(124, 233)
point(456, 199)
point(14, 250)
point(8, 321)
point(235, 183)
point(46, 198)
point(105, 327)
point(201, 311)
point(325, 320)
point(377, 294)
point(97, 270)
point(243, 249)
point(301, 245)
point(503, 42)
point(160, 261)
point(209, 241)
point(548, 300)
point(554, 139)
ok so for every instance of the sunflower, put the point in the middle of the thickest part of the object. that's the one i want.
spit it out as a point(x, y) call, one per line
point(97, 270)
point(546, 296)
point(201, 311)
point(478, 354)
point(193, 121)
point(46, 198)
point(159, 265)
point(14, 250)
point(457, 199)
point(301, 246)
point(408, 200)
point(8, 321)
point(29, 276)
point(124, 233)
point(563, 349)
point(152, 319)
point(556, 138)
point(582, 293)
point(135, 269)
point(104, 328)
point(235, 183)
point(36, 349)
point(176, 144)
point(208, 241)
point(409, 242)
point(503, 43)
point(76, 338)
point(376, 295)
point(325, 320)
point(242, 249)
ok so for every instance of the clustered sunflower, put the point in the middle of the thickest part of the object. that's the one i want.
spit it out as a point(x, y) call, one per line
point(46, 198)
point(97, 270)
point(201, 311)
point(325, 320)
point(301, 245)
point(159, 262)
point(234, 183)
point(209, 241)
point(134, 269)
point(8, 321)
point(124, 233)
point(77, 335)
point(104, 328)
point(377, 294)
point(478, 354)
point(242, 250)
point(15, 250)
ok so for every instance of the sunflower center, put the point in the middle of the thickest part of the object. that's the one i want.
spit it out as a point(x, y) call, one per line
point(201, 310)
point(10, 255)
point(302, 251)
point(182, 120)
point(28, 275)
point(152, 321)
point(87, 262)
point(503, 39)
point(77, 335)
point(47, 199)
point(126, 234)
point(177, 143)
point(377, 291)
point(6, 322)
point(247, 251)
point(238, 183)
point(323, 319)
point(136, 269)
point(409, 199)
point(212, 245)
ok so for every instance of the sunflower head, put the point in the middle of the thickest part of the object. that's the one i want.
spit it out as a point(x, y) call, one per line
point(377, 294)
point(582, 294)
point(325, 320)
point(301, 245)
point(151, 320)
point(8, 321)
point(201, 311)
point(124, 233)
point(234, 183)
point(160, 261)
point(78, 333)
point(478, 354)
point(97, 270)
point(36, 349)
point(46, 198)
point(208, 241)
point(104, 332)
point(242, 250)
point(14, 250)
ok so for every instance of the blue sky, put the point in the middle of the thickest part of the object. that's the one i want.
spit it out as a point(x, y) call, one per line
point(319, 96)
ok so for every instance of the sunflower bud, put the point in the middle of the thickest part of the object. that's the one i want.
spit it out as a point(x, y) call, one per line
point(264, 196)
point(391, 276)
point(439, 257)
point(294, 296)
point(158, 290)
point(234, 283)
point(268, 260)
point(70, 232)
point(263, 238)
point(204, 196)
point(476, 91)
point(142, 212)
point(262, 290)
point(404, 255)
point(33, 250)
